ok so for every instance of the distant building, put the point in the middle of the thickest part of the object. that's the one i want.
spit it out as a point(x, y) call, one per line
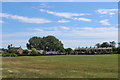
point(51, 52)
point(40, 51)
point(19, 50)
point(94, 50)
point(1, 51)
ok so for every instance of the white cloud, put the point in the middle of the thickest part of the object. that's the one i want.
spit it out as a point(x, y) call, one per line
point(65, 28)
point(86, 34)
point(74, 31)
point(36, 29)
point(44, 5)
point(59, 28)
point(82, 19)
point(63, 21)
point(107, 11)
point(63, 14)
point(105, 22)
point(1, 21)
point(25, 19)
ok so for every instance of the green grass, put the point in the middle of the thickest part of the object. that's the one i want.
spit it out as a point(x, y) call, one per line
point(63, 66)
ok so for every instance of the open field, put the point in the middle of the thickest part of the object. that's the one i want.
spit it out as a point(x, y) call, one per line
point(61, 66)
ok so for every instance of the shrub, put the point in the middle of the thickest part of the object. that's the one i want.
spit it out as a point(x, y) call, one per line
point(34, 52)
point(26, 52)
point(9, 54)
point(6, 54)
point(12, 51)
point(13, 55)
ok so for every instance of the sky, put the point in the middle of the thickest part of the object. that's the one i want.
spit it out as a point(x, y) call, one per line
point(76, 24)
point(60, 0)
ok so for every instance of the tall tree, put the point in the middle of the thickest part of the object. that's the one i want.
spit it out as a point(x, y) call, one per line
point(105, 44)
point(51, 43)
point(69, 51)
point(98, 45)
point(118, 44)
point(34, 42)
point(48, 43)
point(112, 44)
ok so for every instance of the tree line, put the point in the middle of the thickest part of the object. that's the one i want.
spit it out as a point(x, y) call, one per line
point(51, 43)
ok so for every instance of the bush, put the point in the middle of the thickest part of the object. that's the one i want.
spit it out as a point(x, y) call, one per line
point(6, 54)
point(9, 54)
point(34, 52)
point(26, 52)
point(13, 55)
point(12, 51)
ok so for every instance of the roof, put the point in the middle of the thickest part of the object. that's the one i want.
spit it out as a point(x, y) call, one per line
point(93, 48)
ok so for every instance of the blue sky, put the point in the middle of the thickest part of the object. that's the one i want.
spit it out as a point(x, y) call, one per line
point(74, 23)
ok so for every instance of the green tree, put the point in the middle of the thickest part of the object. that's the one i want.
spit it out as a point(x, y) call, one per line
point(34, 52)
point(88, 52)
point(34, 42)
point(114, 50)
point(52, 44)
point(98, 45)
point(69, 51)
point(9, 46)
point(48, 43)
point(112, 44)
point(105, 44)
point(118, 50)
point(26, 52)
point(118, 44)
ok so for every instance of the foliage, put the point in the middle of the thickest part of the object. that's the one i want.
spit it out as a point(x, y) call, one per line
point(118, 50)
point(26, 52)
point(48, 43)
point(10, 46)
point(34, 52)
point(106, 44)
point(88, 52)
point(12, 50)
point(112, 44)
point(69, 51)
point(98, 45)
point(9, 54)
point(114, 50)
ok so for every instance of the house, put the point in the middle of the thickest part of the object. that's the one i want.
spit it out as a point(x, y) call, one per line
point(1, 51)
point(51, 52)
point(19, 50)
point(40, 51)
point(94, 50)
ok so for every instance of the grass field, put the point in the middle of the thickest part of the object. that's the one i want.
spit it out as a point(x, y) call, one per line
point(63, 66)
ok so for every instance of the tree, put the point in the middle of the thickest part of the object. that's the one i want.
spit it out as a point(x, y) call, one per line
point(114, 50)
point(98, 45)
point(118, 50)
point(34, 52)
point(48, 43)
point(118, 44)
point(34, 42)
point(112, 44)
point(69, 51)
point(26, 52)
point(88, 52)
point(105, 44)
point(52, 44)
point(10, 46)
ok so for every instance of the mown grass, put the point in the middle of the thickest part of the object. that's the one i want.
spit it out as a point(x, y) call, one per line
point(61, 66)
